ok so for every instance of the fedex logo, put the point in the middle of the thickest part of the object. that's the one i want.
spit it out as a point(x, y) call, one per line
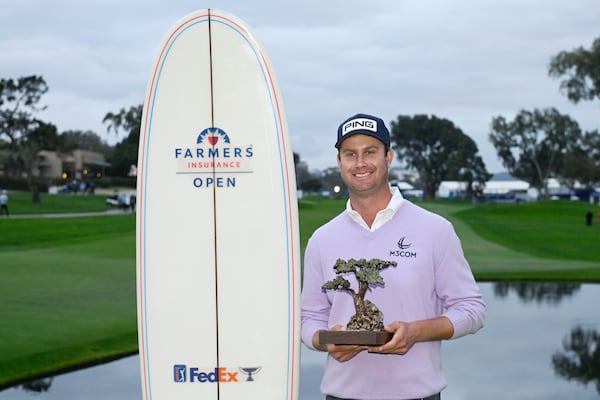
point(197, 375)
point(217, 375)
point(359, 123)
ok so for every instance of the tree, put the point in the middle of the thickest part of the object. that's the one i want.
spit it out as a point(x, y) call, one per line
point(368, 316)
point(582, 163)
point(438, 150)
point(532, 147)
point(126, 152)
point(127, 120)
point(582, 70)
point(304, 179)
point(469, 167)
point(18, 104)
point(581, 358)
point(332, 178)
point(43, 136)
point(83, 140)
point(4, 156)
point(23, 153)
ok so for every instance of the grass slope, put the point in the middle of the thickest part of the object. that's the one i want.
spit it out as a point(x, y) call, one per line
point(507, 253)
point(551, 229)
point(67, 295)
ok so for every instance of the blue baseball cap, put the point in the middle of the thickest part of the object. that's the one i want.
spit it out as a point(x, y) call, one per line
point(364, 124)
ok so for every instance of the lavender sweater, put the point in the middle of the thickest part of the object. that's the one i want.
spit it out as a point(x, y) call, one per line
point(432, 279)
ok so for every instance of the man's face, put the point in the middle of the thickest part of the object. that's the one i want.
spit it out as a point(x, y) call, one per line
point(364, 164)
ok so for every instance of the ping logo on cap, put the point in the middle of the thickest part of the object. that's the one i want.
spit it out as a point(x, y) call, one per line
point(359, 123)
point(364, 124)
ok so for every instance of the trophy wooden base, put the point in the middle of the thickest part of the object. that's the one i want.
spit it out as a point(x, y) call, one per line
point(366, 338)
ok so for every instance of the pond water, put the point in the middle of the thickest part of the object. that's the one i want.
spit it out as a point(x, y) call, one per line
point(530, 348)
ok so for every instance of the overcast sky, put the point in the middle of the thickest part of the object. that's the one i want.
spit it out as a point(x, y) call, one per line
point(464, 60)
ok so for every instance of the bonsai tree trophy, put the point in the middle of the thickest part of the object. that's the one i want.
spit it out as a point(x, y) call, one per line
point(366, 325)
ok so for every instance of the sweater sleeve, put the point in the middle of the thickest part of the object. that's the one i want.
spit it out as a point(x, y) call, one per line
point(456, 287)
point(315, 303)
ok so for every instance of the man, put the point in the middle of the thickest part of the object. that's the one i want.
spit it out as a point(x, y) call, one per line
point(4, 203)
point(429, 296)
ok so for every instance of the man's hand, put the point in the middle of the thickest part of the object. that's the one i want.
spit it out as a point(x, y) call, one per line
point(403, 339)
point(343, 352)
point(406, 334)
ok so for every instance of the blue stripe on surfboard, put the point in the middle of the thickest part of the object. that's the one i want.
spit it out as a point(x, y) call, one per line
point(275, 108)
point(167, 49)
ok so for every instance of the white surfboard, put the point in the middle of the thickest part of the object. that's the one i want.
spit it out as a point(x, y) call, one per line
point(218, 266)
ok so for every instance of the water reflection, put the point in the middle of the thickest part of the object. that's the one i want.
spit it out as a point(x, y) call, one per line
point(580, 360)
point(38, 386)
point(543, 292)
point(540, 341)
point(512, 357)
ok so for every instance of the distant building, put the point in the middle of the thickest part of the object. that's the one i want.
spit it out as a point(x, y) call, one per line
point(403, 175)
point(503, 182)
point(556, 189)
point(501, 187)
point(77, 164)
point(452, 189)
point(408, 190)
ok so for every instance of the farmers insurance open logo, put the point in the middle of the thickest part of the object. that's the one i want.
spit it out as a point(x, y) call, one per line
point(214, 160)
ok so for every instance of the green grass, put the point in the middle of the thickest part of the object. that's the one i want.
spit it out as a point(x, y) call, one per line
point(20, 203)
point(26, 234)
point(67, 286)
point(496, 255)
point(551, 229)
point(67, 293)
point(314, 212)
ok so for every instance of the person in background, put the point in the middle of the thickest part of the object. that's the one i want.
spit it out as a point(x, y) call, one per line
point(4, 203)
point(431, 295)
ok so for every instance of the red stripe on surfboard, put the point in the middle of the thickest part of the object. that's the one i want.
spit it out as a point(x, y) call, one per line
point(290, 216)
point(272, 86)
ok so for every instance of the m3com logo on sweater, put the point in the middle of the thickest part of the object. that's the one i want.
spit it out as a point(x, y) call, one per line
point(403, 249)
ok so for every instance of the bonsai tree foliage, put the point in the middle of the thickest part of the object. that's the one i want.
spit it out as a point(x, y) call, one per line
point(367, 317)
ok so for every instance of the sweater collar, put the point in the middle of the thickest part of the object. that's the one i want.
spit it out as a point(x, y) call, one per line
point(382, 216)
